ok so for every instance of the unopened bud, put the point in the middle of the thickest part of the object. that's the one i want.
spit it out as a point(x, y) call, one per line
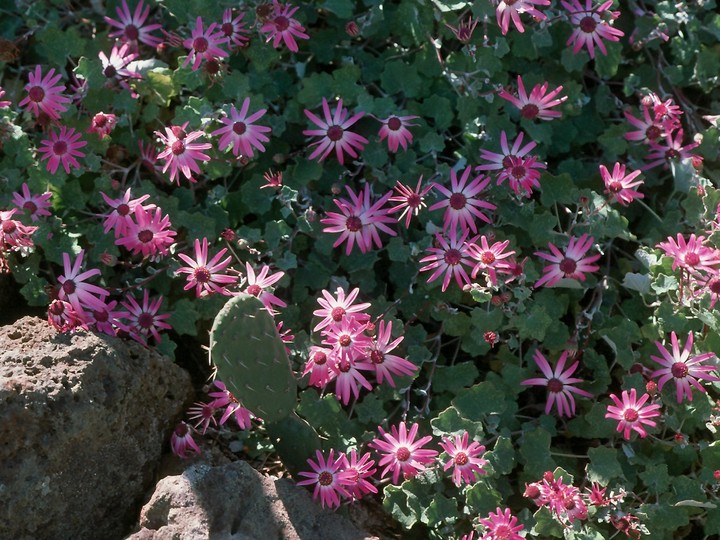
point(352, 29)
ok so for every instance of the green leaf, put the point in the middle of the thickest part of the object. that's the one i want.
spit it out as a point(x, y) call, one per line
point(184, 317)
point(483, 497)
point(399, 76)
point(502, 456)
point(532, 324)
point(161, 83)
point(341, 8)
point(604, 465)
point(480, 400)
point(453, 378)
point(637, 282)
point(546, 525)
point(535, 452)
point(449, 422)
point(558, 189)
point(607, 65)
point(56, 44)
point(370, 410)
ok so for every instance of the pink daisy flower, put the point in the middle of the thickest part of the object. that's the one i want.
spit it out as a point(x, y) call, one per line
point(386, 365)
point(348, 377)
point(691, 254)
point(670, 150)
point(328, 477)
point(36, 205)
point(182, 442)
point(102, 124)
point(619, 185)
point(144, 320)
point(131, 27)
point(522, 174)
point(203, 414)
point(464, 31)
point(647, 129)
point(463, 204)
point(225, 399)
point(450, 258)
point(358, 471)
point(234, 29)
point(257, 285)
point(464, 458)
point(410, 201)
point(510, 10)
point(274, 179)
point(120, 217)
point(334, 309)
point(206, 276)
point(490, 258)
point(181, 153)
point(348, 338)
point(395, 130)
point(318, 366)
point(75, 290)
point(503, 160)
point(573, 264)
point(631, 413)
point(240, 132)
point(63, 317)
point(107, 320)
point(559, 383)
point(401, 453)
point(282, 28)
point(62, 148)
point(666, 113)
point(591, 25)
point(116, 65)
point(334, 134)
point(501, 525)
point(150, 234)
point(204, 44)
point(13, 234)
point(684, 368)
point(538, 104)
point(43, 96)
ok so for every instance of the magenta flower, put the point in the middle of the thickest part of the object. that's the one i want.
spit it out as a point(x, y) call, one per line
point(282, 28)
point(328, 477)
point(225, 399)
point(358, 470)
point(348, 376)
point(62, 148)
point(75, 290)
point(692, 254)
point(465, 28)
point(490, 258)
point(559, 383)
point(463, 204)
point(631, 413)
point(538, 104)
point(102, 124)
point(120, 217)
point(107, 320)
point(145, 321)
point(410, 201)
point(36, 205)
point(503, 159)
point(672, 149)
point(591, 25)
point(401, 453)
point(501, 525)
point(395, 130)
point(204, 44)
point(510, 10)
point(63, 317)
point(43, 96)
point(386, 365)
point(257, 286)
point(450, 257)
point(203, 414)
point(182, 442)
point(665, 113)
point(464, 458)
point(348, 338)
point(240, 132)
point(685, 369)
point(234, 29)
point(116, 65)
point(336, 308)
point(619, 185)
point(648, 130)
point(206, 276)
point(522, 174)
point(13, 234)
point(3, 102)
point(181, 153)
point(334, 134)
point(131, 27)
point(573, 264)
point(318, 366)
point(150, 234)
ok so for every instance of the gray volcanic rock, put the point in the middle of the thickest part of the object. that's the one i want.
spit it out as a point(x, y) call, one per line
point(83, 421)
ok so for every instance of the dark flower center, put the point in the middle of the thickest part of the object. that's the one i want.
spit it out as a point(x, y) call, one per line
point(178, 147)
point(36, 93)
point(239, 128)
point(281, 23)
point(227, 29)
point(653, 132)
point(200, 44)
point(145, 236)
point(146, 320)
point(69, 286)
point(59, 148)
point(529, 111)
point(502, 532)
point(691, 259)
point(9, 226)
point(337, 314)
point(334, 133)
point(253, 289)
point(461, 459)
point(110, 71)
point(414, 200)
point(714, 286)
point(123, 209)
point(344, 366)
point(319, 358)
point(457, 201)
point(57, 308)
point(615, 187)
point(131, 32)
point(202, 274)
point(402, 453)
point(671, 153)
point(554, 386)
point(325, 478)
point(567, 266)
point(588, 24)
point(101, 316)
point(29, 205)
point(394, 123)
point(508, 161)
point(353, 224)
point(679, 370)
point(631, 415)
point(452, 256)
point(377, 357)
point(487, 257)
point(518, 171)
point(345, 340)
point(99, 120)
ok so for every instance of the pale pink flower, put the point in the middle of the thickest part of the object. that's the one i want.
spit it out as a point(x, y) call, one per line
point(257, 285)
point(318, 366)
point(410, 201)
point(206, 276)
point(144, 320)
point(62, 148)
point(395, 130)
point(182, 442)
point(538, 104)
point(386, 365)
point(347, 338)
point(591, 25)
point(464, 458)
point(450, 258)
point(116, 65)
point(510, 10)
point(501, 525)
point(107, 320)
point(503, 159)
point(334, 133)
point(240, 131)
point(358, 471)
point(43, 94)
point(463, 203)
point(63, 317)
point(204, 44)
point(335, 308)
point(684, 368)
point(203, 414)
point(328, 477)
point(282, 28)
point(573, 264)
point(74, 289)
point(234, 29)
point(647, 129)
point(691, 254)
point(120, 217)
point(559, 383)
point(490, 258)
point(620, 185)
point(131, 27)
point(631, 413)
point(225, 399)
point(670, 150)
point(401, 453)
point(181, 153)
point(102, 124)
point(150, 234)
point(36, 205)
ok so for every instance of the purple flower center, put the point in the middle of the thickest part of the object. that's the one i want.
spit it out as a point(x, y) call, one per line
point(588, 24)
point(567, 266)
point(9, 226)
point(457, 201)
point(671, 153)
point(200, 44)
point(503, 532)
point(414, 200)
point(692, 258)
point(227, 29)
point(488, 257)
point(377, 357)
point(101, 316)
point(334, 133)
point(402, 453)
point(325, 478)
point(353, 224)
point(254, 289)
point(99, 120)
point(59, 148)
point(394, 123)
point(131, 32)
point(631, 415)
point(201, 274)
point(239, 128)
point(529, 111)
point(123, 209)
point(509, 2)
point(57, 308)
point(178, 147)
point(508, 161)
point(337, 314)
point(37, 94)
point(555, 386)
point(319, 358)
point(714, 286)
point(518, 171)
point(615, 187)
point(145, 236)
point(679, 370)
point(110, 71)
point(29, 205)
point(461, 459)
point(653, 132)
point(69, 286)
point(281, 23)
point(146, 320)
point(452, 256)
point(345, 340)
point(344, 366)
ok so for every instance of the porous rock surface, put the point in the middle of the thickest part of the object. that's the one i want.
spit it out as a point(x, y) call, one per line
point(235, 502)
point(83, 421)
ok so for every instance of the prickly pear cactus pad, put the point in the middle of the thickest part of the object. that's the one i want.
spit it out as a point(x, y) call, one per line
point(251, 360)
